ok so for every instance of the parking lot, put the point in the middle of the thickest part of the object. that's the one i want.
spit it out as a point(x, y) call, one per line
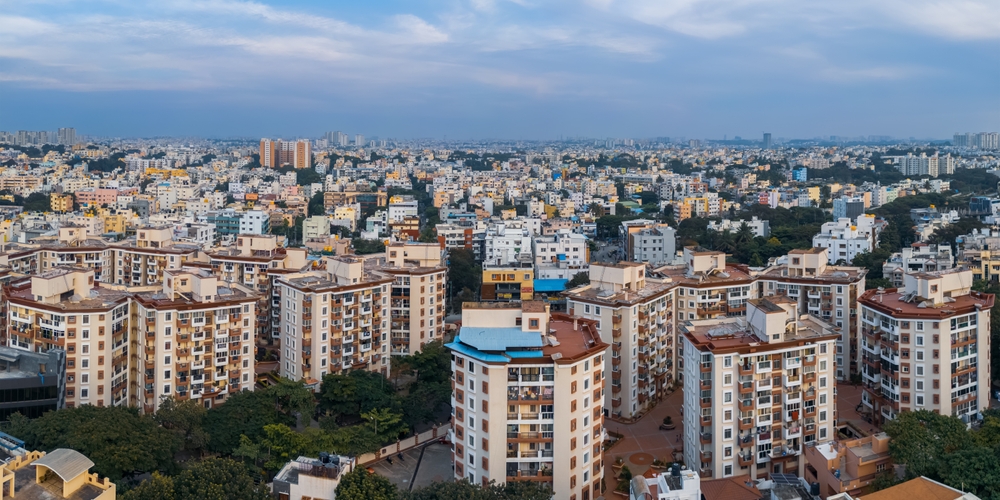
point(419, 466)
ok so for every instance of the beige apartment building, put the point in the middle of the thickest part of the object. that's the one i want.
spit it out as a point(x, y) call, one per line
point(926, 346)
point(256, 261)
point(332, 320)
point(416, 303)
point(197, 339)
point(757, 389)
point(528, 398)
point(65, 308)
point(142, 262)
point(824, 290)
point(635, 316)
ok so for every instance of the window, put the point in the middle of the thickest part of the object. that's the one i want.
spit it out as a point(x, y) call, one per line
point(728, 470)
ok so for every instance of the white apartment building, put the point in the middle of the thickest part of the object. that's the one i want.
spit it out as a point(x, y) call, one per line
point(677, 483)
point(416, 300)
point(760, 227)
point(400, 210)
point(757, 390)
point(254, 222)
point(926, 346)
point(561, 255)
point(655, 246)
point(846, 240)
point(917, 258)
point(528, 398)
point(507, 245)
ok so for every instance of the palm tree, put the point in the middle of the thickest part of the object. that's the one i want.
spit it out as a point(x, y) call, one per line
point(744, 234)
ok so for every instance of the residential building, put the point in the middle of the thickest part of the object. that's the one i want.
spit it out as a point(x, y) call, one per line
point(634, 314)
point(631, 227)
point(655, 246)
point(849, 207)
point(920, 346)
point(561, 255)
point(336, 313)
point(507, 283)
point(254, 222)
point(66, 309)
point(761, 228)
point(917, 258)
point(269, 153)
point(846, 240)
point(824, 290)
point(61, 203)
point(199, 338)
point(67, 136)
point(142, 262)
point(317, 226)
point(302, 157)
point(312, 478)
point(847, 466)
point(675, 484)
point(417, 301)
point(507, 245)
point(757, 389)
point(528, 398)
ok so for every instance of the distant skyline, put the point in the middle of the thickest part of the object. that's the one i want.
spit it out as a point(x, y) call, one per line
point(505, 69)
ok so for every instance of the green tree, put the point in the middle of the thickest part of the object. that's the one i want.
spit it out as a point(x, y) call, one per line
point(316, 204)
point(343, 398)
point(364, 247)
point(359, 484)
point(244, 414)
point(37, 202)
point(463, 271)
point(579, 279)
point(185, 420)
point(920, 438)
point(157, 487)
point(292, 397)
point(218, 479)
point(117, 439)
point(281, 444)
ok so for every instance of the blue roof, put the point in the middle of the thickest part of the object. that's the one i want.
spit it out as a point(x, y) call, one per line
point(525, 354)
point(553, 285)
point(498, 339)
point(461, 348)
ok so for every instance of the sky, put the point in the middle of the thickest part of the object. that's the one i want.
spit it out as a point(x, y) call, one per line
point(501, 69)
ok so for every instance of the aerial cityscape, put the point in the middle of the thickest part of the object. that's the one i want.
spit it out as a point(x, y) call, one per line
point(550, 254)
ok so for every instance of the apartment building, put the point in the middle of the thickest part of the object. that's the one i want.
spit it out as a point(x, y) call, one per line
point(561, 255)
point(846, 240)
point(917, 258)
point(507, 244)
point(197, 338)
point(707, 287)
point(632, 227)
point(336, 313)
point(655, 246)
point(256, 262)
point(66, 309)
point(757, 389)
point(920, 346)
point(416, 304)
point(508, 283)
point(528, 398)
point(142, 262)
point(848, 466)
point(634, 314)
point(72, 247)
point(824, 290)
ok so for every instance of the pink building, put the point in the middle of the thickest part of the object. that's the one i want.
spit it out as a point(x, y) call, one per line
point(97, 196)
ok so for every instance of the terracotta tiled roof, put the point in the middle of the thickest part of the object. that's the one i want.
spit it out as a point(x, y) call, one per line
point(730, 488)
point(919, 488)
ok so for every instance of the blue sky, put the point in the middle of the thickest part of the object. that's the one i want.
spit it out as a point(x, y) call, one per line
point(513, 69)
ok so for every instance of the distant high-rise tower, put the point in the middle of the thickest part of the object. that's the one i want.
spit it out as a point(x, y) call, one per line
point(67, 136)
point(359, 140)
point(268, 153)
point(767, 140)
point(303, 154)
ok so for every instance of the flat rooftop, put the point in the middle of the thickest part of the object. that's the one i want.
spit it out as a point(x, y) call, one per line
point(25, 487)
point(892, 301)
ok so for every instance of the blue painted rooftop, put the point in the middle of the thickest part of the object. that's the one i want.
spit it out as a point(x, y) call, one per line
point(463, 349)
point(552, 285)
point(499, 339)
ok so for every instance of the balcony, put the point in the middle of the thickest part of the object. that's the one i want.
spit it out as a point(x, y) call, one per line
point(746, 424)
point(746, 404)
point(706, 383)
point(706, 456)
point(746, 369)
point(746, 389)
point(706, 438)
point(745, 459)
point(792, 380)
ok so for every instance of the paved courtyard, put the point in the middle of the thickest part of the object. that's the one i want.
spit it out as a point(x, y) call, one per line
point(643, 441)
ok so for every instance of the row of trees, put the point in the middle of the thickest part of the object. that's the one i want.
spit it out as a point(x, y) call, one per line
point(940, 447)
